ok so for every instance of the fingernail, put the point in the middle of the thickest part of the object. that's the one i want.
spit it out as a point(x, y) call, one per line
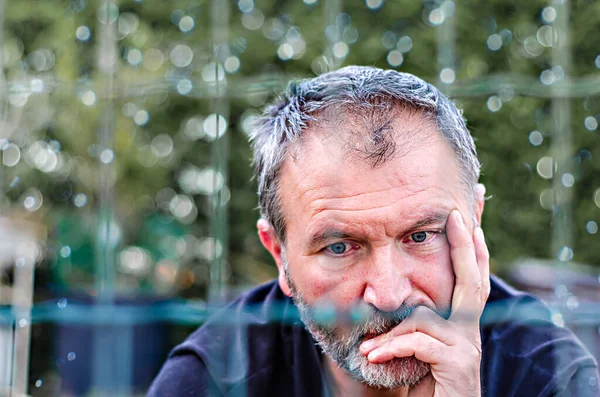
point(479, 233)
point(459, 219)
point(373, 355)
point(367, 345)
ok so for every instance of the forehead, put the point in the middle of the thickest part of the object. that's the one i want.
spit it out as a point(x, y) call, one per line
point(328, 172)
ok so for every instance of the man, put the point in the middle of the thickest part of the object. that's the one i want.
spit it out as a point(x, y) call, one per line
point(370, 206)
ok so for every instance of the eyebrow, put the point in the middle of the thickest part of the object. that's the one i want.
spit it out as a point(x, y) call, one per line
point(328, 235)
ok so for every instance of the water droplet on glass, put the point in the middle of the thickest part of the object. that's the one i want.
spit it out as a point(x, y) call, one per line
point(437, 16)
point(247, 120)
point(388, 40)
point(153, 59)
point(107, 13)
point(533, 47)
point(62, 303)
point(547, 77)
point(206, 181)
point(232, 64)
point(374, 4)
point(181, 55)
point(567, 180)
point(129, 109)
point(32, 199)
point(591, 124)
point(212, 71)
point(83, 33)
point(80, 200)
point(592, 381)
point(350, 35)
point(162, 145)
point(404, 44)
point(547, 36)
point(88, 98)
point(141, 117)
point(193, 128)
point(135, 260)
point(547, 199)
point(558, 320)
point(561, 291)
point(107, 156)
point(494, 103)
point(183, 207)
point(565, 254)
point(545, 167)
point(37, 85)
point(310, 2)
point(186, 24)
point(214, 126)
point(447, 76)
point(536, 138)
point(340, 50)
point(18, 95)
point(395, 58)
point(128, 23)
point(558, 71)
point(274, 29)
point(38, 383)
point(134, 57)
point(591, 227)
point(494, 42)
point(65, 251)
point(23, 323)
point(41, 60)
point(572, 303)
point(285, 51)
point(184, 86)
point(71, 356)
point(549, 14)
point(246, 5)
point(176, 16)
point(253, 20)
point(11, 154)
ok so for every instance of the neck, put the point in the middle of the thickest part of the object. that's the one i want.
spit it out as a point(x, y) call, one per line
point(343, 384)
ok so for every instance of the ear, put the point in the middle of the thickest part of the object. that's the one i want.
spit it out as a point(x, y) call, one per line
point(479, 202)
point(271, 242)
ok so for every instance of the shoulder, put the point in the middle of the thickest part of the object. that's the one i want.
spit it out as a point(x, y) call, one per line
point(242, 341)
point(526, 353)
point(183, 375)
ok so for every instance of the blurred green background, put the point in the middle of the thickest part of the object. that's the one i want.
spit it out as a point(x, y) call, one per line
point(124, 132)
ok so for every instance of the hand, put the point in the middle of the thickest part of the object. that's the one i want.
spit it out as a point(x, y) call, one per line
point(452, 347)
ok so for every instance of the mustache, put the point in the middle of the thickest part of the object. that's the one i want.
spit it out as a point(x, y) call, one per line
point(379, 322)
point(364, 320)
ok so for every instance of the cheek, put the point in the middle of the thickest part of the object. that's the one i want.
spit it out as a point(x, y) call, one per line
point(339, 288)
point(435, 277)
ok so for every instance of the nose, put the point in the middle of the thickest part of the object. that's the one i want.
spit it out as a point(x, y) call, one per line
point(388, 282)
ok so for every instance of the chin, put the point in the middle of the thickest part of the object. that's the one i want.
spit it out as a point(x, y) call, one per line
point(393, 374)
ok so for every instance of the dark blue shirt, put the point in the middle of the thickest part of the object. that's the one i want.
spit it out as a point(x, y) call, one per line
point(257, 346)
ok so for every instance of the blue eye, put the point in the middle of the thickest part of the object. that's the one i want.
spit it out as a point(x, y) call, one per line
point(338, 248)
point(418, 237)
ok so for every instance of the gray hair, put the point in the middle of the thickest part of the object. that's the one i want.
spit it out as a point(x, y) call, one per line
point(367, 89)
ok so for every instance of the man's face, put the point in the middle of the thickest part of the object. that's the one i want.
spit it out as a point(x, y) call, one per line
point(372, 238)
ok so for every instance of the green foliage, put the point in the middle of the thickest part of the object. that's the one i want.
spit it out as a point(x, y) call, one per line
point(150, 109)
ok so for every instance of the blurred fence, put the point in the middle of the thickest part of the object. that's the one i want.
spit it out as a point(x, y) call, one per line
point(125, 180)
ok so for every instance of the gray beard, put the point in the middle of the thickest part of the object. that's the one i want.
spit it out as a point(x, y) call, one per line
point(341, 343)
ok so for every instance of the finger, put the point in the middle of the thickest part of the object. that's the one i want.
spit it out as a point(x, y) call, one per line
point(466, 299)
point(424, 320)
point(483, 261)
point(418, 344)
